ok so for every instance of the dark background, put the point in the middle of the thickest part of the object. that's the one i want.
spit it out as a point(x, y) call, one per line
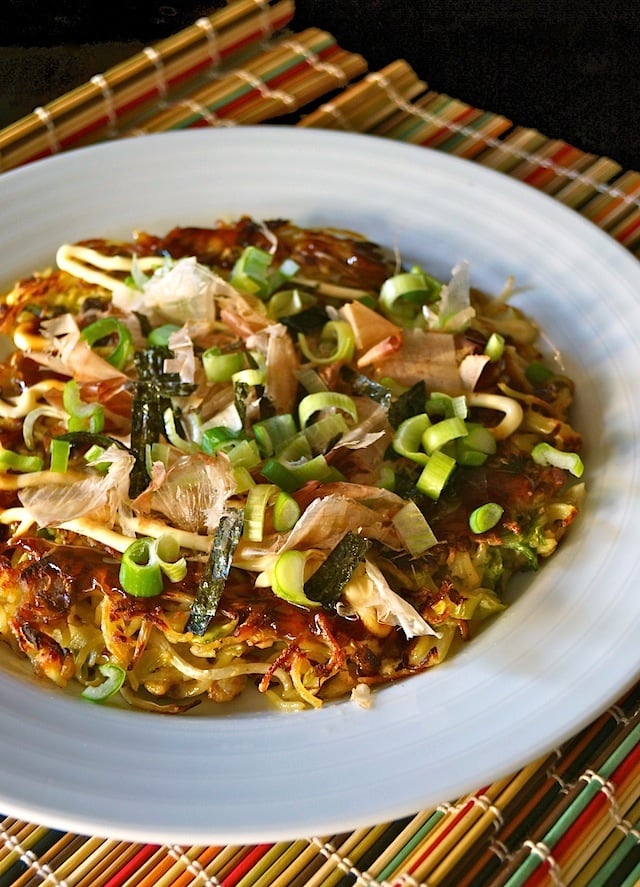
point(567, 69)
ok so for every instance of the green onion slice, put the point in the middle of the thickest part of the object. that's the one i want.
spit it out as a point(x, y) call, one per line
point(59, 451)
point(325, 400)
point(287, 578)
point(274, 432)
point(160, 335)
point(255, 509)
point(286, 512)
point(281, 475)
point(287, 303)
point(446, 405)
point(106, 328)
point(172, 435)
point(219, 437)
point(251, 377)
point(402, 296)
point(414, 530)
point(221, 366)
point(435, 474)
point(436, 436)
point(407, 440)
point(494, 349)
point(114, 676)
point(485, 517)
point(537, 373)
point(144, 562)
point(82, 416)
point(244, 454)
point(12, 461)
point(293, 476)
point(545, 454)
point(337, 333)
point(251, 272)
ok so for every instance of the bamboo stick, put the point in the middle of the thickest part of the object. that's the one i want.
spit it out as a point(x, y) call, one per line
point(66, 844)
point(487, 127)
point(615, 202)
point(510, 151)
point(492, 815)
point(418, 120)
point(602, 823)
point(450, 829)
point(594, 180)
point(93, 109)
point(610, 852)
point(276, 83)
point(364, 105)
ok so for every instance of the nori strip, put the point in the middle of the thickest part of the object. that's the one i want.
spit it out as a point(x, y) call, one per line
point(366, 387)
point(152, 393)
point(91, 438)
point(215, 575)
point(305, 321)
point(326, 584)
point(410, 403)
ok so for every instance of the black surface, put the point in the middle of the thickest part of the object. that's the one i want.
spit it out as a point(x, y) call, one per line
point(567, 69)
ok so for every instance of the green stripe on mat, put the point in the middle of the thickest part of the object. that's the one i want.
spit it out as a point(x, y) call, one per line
point(591, 789)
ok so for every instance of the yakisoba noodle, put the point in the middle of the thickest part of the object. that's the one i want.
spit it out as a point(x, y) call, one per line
point(256, 454)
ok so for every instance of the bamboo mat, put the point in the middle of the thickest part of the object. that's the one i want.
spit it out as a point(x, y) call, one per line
point(570, 818)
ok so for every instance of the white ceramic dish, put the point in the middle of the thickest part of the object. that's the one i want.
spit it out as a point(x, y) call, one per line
point(562, 652)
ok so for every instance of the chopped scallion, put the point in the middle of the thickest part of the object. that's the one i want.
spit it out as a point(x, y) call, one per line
point(485, 517)
point(254, 510)
point(82, 416)
point(279, 474)
point(407, 440)
point(274, 432)
point(173, 436)
point(437, 435)
point(219, 437)
point(412, 527)
point(140, 573)
point(12, 461)
point(494, 349)
point(337, 344)
point(251, 377)
point(114, 677)
point(435, 474)
point(402, 295)
point(221, 366)
point(59, 451)
point(325, 400)
point(105, 329)
point(537, 373)
point(288, 576)
point(251, 272)
point(286, 512)
point(288, 303)
point(244, 454)
point(160, 335)
point(446, 405)
point(545, 454)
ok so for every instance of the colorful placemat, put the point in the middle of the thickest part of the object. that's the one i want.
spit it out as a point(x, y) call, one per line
point(570, 818)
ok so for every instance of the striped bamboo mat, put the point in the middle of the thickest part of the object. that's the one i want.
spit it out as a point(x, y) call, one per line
point(570, 818)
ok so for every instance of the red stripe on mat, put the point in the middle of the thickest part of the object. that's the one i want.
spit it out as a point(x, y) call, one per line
point(445, 831)
point(245, 866)
point(145, 853)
